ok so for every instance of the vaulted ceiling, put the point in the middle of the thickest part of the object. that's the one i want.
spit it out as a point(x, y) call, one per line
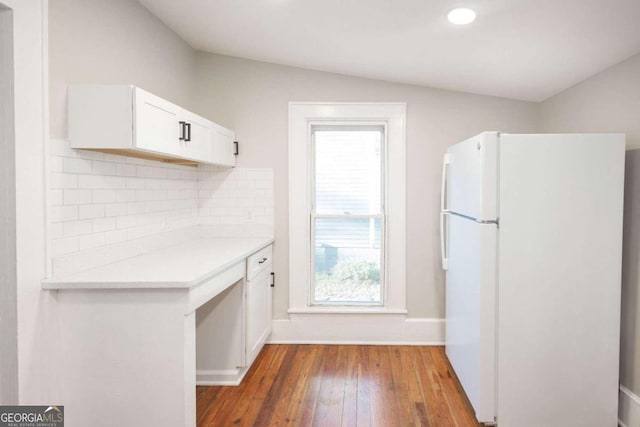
point(522, 49)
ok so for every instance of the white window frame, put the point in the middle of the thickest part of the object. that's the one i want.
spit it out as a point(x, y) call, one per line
point(302, 117)
point(350, 126)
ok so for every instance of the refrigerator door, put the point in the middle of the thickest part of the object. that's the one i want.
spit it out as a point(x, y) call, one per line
point(472, 177)
point(561, 204)
point(471, 311)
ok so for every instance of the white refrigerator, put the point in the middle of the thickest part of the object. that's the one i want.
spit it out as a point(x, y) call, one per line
point(531, 241)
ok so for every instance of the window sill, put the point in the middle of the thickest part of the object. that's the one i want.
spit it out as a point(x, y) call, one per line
point(346, 310)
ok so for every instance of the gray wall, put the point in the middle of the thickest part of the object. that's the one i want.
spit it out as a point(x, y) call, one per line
point(610, 102)
point(114, 41)
point(8, 270)
point(252, 98)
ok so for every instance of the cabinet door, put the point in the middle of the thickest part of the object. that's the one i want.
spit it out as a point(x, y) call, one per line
point(197, 144)
point(157, 127)
point(258, 313)
point(223, 146)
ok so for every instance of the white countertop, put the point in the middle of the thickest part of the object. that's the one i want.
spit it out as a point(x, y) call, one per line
point(180, 266)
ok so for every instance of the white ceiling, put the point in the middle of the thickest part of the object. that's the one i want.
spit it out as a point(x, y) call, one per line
point(523, 49)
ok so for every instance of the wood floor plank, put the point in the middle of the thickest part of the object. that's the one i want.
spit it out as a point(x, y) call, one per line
point(376, 392)
point(246, 391)
point(390, 406)
point(437, 409)
point(272, 397)
point(265, 382)
point(363, 402)
point(297, 401)
point(401, 379)
point(292, 386)
point(313, 390)
point(350, 401)
point(204, 400)
point(328, 409)
point(459, 406)
point(334, 385)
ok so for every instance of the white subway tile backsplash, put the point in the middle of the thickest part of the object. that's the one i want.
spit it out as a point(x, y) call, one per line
point(91, 211)
point(77, 197)
point(75, 228)
point(115, 209)
point(76, 165)
point(64, 213)
point(56, 164)
point(126, 221)
point(63, 180)
point(56, 197)
point(124, 169)
point(115, 182)
point(100, 202)
point(105, 196)
point(91, 181)
point(125, 195)
point(104, 224)
point(64, 246)
point(104, 168)
point(56, 230)
point(115, 236)
point(91, 241)
point(135, 183)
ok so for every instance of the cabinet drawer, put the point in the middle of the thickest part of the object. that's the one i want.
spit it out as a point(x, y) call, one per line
point(258, 262)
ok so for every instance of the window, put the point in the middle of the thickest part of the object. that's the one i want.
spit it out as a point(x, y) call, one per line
point(347, 208)
point(347, 215)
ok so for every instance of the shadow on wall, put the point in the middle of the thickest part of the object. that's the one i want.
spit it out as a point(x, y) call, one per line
point(630, 336)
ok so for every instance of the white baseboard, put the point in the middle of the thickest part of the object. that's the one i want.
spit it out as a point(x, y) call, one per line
point(629, 408)
point(220, 377)
point(381, 329)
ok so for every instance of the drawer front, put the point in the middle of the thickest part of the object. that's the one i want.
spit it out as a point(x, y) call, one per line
point(259, 262)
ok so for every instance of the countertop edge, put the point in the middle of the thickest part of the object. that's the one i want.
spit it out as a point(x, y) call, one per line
point(62, 284)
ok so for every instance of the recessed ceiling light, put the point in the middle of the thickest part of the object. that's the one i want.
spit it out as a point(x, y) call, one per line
point(461, 16)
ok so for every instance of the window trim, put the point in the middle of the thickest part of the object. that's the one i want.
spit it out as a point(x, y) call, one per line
point(382, 215)
point(302, 117)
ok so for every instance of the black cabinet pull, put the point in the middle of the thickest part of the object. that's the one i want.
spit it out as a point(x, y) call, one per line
point(273, 280)
point(181, 131)
point(237, 148)
point(188, 133)
point(262, 260)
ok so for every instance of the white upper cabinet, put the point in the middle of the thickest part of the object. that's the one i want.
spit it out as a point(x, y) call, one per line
point(224, 145)
point(157, 124)
point(127, 120)
point(196, 138)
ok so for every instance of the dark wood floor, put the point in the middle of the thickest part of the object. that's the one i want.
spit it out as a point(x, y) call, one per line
point(340, 385)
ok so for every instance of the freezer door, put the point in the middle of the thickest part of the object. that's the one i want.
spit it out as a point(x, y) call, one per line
point(471, 316)
point(472, 177)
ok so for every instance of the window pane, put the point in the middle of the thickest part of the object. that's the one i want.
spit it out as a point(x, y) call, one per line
point(348, 178)
point(347, 260)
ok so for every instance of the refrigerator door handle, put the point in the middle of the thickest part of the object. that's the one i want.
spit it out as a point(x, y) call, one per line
point(443, 246)
point(443, 188)
point(443, 213)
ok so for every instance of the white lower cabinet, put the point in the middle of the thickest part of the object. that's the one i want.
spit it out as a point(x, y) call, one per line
point(232, 328)
point(127, 120)
point(258, 313)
